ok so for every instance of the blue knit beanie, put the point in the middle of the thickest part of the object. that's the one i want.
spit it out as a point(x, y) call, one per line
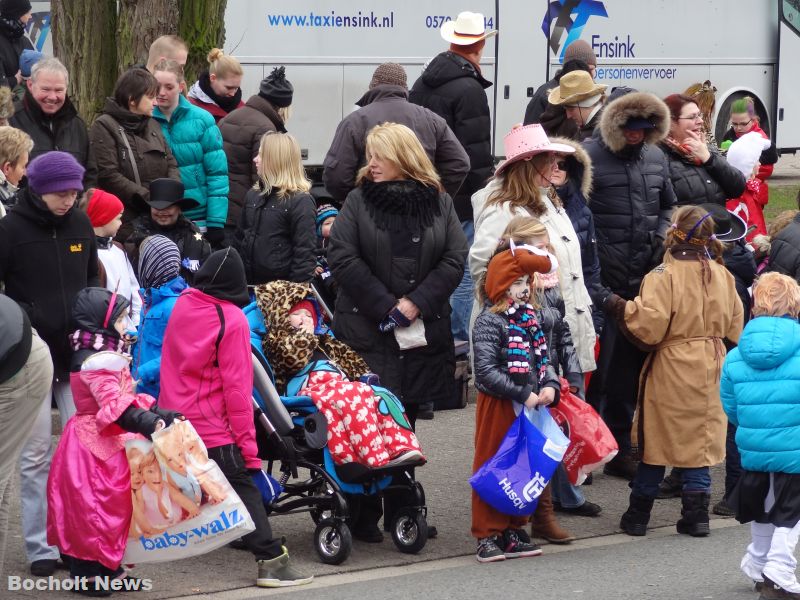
point(54, 172)
point(325, 211)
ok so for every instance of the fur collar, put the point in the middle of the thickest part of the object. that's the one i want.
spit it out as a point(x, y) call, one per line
point(579, 165)
point(635, 104)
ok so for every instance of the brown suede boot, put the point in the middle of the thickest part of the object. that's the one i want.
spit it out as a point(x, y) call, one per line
point(544, 523)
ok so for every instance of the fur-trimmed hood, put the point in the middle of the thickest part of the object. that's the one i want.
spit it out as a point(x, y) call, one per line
point(636, 104)
point(579, 165)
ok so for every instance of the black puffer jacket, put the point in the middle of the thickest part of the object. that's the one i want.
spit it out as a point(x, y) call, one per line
point(741, 263)
point(45, 260)
point(573, 195)
point(490, 346)
point(64, 131)
point(784, 254)
point(372, 277)
point(560, 349)
point(714, 181)
point(632, 198)
point(12, 42)
point(453, 88)
point(277, 237)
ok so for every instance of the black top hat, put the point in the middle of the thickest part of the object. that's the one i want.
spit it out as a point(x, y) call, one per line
point(165, 192)
point(728, 226)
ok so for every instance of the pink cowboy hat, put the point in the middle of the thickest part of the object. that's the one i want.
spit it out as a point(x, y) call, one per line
point(524, 142)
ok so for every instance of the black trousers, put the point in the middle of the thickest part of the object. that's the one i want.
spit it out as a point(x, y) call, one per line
point(260, 542)
point(614, 387)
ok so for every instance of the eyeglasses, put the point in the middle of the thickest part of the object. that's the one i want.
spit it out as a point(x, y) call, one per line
point(561, 165)
point(741, 125)
point(694, 117)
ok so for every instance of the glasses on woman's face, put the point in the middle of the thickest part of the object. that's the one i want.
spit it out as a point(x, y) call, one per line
point(741, 124)
point(694, 117)
point(561, 165)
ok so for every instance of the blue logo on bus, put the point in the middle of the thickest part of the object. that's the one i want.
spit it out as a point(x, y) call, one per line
point(569, 16)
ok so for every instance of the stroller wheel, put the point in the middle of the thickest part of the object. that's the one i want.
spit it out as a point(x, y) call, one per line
point(409, 530)
point(333, 541)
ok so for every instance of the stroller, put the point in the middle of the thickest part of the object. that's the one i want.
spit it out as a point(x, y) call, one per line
point(292, 435)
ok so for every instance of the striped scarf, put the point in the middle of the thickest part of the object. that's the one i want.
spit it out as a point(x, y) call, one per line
point(81, 339)
point(524, 335)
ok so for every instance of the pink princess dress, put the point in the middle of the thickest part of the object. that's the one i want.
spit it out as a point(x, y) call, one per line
point(89, 488)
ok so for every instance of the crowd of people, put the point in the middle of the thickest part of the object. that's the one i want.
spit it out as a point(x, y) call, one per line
point(616, 248)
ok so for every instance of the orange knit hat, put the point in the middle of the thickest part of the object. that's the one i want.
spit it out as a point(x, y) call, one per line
point(508, 266)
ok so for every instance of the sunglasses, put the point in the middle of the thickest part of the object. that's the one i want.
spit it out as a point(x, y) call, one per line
point(561, 165)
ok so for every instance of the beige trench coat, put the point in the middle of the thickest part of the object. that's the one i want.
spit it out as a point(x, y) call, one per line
point(679, 419)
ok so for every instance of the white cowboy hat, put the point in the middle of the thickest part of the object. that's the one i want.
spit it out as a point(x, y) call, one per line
point(467, 29)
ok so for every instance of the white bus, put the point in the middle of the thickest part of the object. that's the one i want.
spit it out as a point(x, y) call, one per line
point(331, 47)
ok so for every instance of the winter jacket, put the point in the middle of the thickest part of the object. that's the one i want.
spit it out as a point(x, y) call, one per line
point(210, 379)
point(151, 155)
point(193, 247)
point(158, 305)
point(573, 195)
point(15, 338)
point(196, 144)
point(242, 131)
point(8, 195)
point(372, 279)
point(784, 254)
point(12, 42)
point(45, 261)
point(453, 88)
point(741, 263)
point(491, 220)
point(760, 392)
point(538, 102)
point(64, 131)
point(632, 199)
point(714, 181)
point(389, 103)
point(277, 237)
point(560, 349)
point(490, 346)
point(120, 277)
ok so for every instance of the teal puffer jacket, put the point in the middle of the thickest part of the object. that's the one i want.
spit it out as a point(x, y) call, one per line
point(196, 143)
point(760, 390)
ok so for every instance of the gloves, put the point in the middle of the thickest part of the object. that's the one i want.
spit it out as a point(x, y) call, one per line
point(370, 379)
point(215, 237)
point(394, 319)
point(167, 415)
point(138, 420)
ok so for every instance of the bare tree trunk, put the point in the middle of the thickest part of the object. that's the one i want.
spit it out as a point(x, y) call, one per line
point(84, 40)
point(202, 25)
point(140, 22)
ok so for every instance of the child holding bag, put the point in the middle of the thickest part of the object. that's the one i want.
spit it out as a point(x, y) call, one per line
point(686, 307)
point(512, 371)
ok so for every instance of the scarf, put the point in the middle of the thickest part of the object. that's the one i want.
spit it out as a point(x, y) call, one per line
point(13, 29)
point(399, 205)
point(104, 243)
point(226, 103)
point(681, 150)
point(81, 339)
point(524, 335)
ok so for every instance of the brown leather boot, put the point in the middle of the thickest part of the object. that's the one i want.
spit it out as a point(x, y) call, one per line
point(544, 523)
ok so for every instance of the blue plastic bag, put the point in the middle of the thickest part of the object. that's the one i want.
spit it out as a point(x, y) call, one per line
point(514, 478)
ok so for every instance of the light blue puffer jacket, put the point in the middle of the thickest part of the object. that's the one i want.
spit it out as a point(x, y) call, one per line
point(196, 142)
point(760, 390)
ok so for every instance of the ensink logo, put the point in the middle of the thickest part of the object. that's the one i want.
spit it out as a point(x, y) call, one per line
point(223, 522)
point(570, 17)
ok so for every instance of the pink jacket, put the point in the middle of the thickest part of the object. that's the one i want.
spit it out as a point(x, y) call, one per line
point(216, 398)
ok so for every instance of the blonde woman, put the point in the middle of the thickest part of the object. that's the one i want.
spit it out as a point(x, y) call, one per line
point(15, 145)
point(277, 235)
point(218, 89)
point(397, 252)
point(196, 143)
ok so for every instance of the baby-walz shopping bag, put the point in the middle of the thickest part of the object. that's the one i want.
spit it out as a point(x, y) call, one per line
point(182, 503)
point(514, 478)
point(591, 443)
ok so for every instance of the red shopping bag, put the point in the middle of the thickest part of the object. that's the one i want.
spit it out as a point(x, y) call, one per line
point(591, 443)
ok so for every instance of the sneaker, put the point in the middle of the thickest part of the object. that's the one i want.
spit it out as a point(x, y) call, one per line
point(277, 572)
point(489, 551)
point(772, 591)
point(518, 544)
point(587, 509)
point(722, 509)
point(405, 458)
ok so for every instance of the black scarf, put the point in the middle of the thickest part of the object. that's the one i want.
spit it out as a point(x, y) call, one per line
point(403, 204)
point(104, 243)
point(13, 29)
point(226, 103)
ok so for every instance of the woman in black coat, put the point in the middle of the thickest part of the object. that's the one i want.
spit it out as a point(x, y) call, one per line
point(14, 16)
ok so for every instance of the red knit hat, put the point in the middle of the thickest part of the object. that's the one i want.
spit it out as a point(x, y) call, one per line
point(508, 266)
point(103, 207)
point(305, 305)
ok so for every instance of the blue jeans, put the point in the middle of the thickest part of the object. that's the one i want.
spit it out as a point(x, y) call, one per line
point(464, 295)
point(566, 494)
point(648, 477)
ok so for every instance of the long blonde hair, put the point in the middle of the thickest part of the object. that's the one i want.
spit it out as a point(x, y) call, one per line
point(281, 166)
point(222, 65)
point(519, 185)
point(399, 145)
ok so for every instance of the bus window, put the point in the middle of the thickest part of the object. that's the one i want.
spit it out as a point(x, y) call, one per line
point(791, 14)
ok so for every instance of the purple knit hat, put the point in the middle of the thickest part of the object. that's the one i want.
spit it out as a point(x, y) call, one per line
point(55, 172)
